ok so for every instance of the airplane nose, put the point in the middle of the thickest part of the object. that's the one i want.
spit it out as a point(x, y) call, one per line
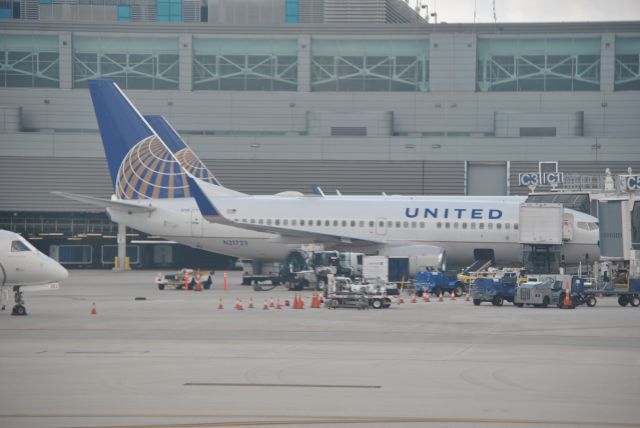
point(60, 272)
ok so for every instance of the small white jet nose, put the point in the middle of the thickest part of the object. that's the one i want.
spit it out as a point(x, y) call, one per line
point(57, 271)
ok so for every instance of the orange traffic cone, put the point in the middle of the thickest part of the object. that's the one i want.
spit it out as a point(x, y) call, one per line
point(441, 298)
point(315, 301)
point(265, 307)
point(239, 304)
point(425, 297)
point(567, 300)
point(468, 298)
point(400, 299)
point(272, 304)
point(295, 304)
point(251, 303)
point(93, 309)
point(414, 299)
point(453, 296)
point(220, 305)
point(278, 305)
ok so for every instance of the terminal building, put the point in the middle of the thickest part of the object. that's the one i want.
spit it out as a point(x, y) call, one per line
point(360, 96)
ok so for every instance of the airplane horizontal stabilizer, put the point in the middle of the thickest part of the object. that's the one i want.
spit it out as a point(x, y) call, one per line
point(106, 203)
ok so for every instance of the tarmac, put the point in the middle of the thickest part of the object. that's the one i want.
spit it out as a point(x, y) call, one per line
point(175, 360)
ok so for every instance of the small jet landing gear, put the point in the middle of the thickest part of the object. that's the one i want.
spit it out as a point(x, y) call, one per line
point(18, 308)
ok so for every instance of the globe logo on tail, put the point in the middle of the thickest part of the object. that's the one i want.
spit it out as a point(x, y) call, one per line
point(149, 171)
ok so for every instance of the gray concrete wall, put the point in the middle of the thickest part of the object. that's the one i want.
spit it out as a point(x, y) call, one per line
point(615, 115)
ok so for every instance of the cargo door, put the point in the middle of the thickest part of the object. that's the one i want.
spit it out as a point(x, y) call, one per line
point(197, 223)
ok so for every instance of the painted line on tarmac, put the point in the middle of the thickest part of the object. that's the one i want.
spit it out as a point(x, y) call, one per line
point(284, 385)
point(374, 420)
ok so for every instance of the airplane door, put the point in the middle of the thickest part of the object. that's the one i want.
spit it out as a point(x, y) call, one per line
point(197, 223)
point(381, 226)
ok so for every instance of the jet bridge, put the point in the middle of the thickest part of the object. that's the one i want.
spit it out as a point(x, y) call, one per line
point(619, 218)
point(542, 232)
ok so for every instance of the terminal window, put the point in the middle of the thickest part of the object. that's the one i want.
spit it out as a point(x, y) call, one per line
point(245, 64)
point(546, 64)
point(169, 11)
point(627, 64)
point(124, 12)
point(29, 61)
point(132, 62)
point(369, 65)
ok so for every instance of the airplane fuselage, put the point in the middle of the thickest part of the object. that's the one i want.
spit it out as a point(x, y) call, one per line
point(457, 224)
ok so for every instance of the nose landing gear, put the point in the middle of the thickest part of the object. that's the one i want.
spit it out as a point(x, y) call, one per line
point(18, 308)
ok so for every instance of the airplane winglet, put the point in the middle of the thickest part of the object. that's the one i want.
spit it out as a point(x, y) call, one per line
point(316, 190)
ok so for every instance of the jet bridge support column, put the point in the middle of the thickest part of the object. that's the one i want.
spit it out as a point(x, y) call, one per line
point(120, 264)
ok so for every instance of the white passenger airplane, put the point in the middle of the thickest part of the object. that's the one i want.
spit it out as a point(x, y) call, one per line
point(152, 195)
point(22, 265)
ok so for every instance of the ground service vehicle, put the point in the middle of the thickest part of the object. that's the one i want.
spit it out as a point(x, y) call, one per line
point(347, 300)
point(439, 282)
point(494, 290)
point(624, 287)
point(538, 293)
point(343, 293)
point(304, 269)
point(632, 295)
point(551, 290)
point(177, 280)
point(257, 272)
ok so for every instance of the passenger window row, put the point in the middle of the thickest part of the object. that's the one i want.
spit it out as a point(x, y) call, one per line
point(473, 226)
point(371, 224)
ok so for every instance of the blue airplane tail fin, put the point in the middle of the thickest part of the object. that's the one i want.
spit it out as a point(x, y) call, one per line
point(140, 163)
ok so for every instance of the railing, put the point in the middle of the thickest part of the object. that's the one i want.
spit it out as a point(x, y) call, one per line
point(601, 182)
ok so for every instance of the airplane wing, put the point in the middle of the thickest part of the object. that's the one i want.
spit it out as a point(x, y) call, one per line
point(106, 203)
point(212, 214)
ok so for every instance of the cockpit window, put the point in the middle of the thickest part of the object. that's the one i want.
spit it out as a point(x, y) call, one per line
point(583, 225)
point(593, 226)
point(18, 246)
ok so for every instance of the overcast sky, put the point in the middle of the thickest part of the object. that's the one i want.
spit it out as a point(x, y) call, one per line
point(534, 10)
